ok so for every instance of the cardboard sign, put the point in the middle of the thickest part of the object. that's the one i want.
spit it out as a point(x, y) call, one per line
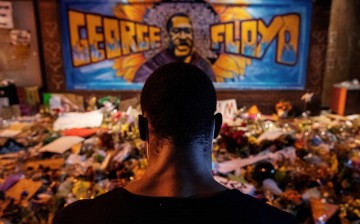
point(228, 108)
point(61, 144)
point(51, 163)
point(6, 162)
point(270, 135)
point(322, 211)
point(70, 120)
point(7, 133)
point(23, 185)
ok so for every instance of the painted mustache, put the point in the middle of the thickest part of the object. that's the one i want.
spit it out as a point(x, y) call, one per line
point(184, 43)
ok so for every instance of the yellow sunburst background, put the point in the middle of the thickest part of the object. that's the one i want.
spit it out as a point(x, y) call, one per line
point(226, 66)
point(231, 66)
point(126, 66)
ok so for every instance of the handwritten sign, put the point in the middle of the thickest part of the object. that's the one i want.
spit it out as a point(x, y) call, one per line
point(232, 184)
point(231, 165)
point(228, 108)
point(6, 20)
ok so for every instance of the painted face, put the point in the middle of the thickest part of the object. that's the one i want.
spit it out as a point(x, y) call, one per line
point(181, 36)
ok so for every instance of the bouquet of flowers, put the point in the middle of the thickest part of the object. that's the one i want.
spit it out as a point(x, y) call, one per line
point(283, 107)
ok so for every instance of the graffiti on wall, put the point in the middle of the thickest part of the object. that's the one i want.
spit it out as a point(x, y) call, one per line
point(117, 45)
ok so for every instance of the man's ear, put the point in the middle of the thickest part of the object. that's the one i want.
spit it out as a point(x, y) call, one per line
point(218, 123)
point(143, 127)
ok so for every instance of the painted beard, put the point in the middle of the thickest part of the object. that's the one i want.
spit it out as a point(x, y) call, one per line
point(182, 49)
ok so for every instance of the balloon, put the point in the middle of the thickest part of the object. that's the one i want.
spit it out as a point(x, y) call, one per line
point(263, 170)
point(270, 185)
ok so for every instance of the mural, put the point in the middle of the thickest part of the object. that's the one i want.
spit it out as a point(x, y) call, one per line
point(115, 45)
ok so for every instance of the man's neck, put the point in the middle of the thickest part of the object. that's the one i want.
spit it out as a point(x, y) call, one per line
point(177, 173)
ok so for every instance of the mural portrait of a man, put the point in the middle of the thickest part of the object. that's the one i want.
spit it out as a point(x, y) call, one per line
point(239, 46)
point(181, 48)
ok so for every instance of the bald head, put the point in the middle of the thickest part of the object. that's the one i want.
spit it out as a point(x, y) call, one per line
point(179, 101)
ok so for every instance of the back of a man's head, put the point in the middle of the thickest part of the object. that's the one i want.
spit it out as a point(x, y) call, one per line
point(179, 101)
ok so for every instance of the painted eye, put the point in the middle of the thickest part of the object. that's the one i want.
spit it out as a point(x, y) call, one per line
point(175, 30)
point(187, 30)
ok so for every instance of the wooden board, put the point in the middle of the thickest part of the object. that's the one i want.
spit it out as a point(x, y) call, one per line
point(31, 187)
point(51, 163)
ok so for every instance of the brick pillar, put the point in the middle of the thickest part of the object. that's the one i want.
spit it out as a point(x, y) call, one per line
point(343, 51)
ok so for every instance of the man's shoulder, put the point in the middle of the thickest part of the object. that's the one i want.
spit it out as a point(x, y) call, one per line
point(256, 210)
point(73, 213)
point(88, 210)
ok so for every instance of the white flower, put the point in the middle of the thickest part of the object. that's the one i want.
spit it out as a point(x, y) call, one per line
point(307, 97)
